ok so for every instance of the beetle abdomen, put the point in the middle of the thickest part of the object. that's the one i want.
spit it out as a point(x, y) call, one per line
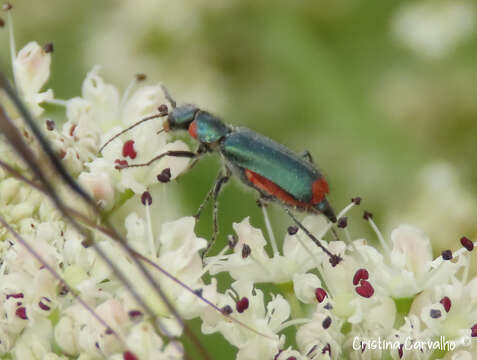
point(279, 170)
point(270, 188)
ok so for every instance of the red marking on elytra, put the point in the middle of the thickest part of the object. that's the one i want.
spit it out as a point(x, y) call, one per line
point(193, 129)
point(320, 187)
point(319, 190)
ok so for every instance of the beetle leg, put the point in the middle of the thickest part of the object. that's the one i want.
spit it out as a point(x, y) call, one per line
point(262, 203)
point(221, 180)
point(307, 155)
point(334, 259)
point(202, 149)
point(207, 197)
point(174, 153)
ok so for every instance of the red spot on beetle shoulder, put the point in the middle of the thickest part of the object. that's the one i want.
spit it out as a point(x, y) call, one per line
point(319, 190)
point(271, 188)
point(193, 129)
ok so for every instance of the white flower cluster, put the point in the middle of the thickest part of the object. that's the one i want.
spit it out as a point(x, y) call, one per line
point(396, 302)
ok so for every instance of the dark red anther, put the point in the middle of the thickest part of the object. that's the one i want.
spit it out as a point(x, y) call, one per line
point(227, 310)
point(128, 149)
point(120, 164)
point(128, 355)
point(50, 125)
point(164, 176)
point(72, 129)
point(469, 245)
point(342, 222)
point(199, 292)
point(21, 313)
point(320, 294)
point(86, 243)
point(292, 230)
point(446, 302)
point(360, 274)
point(109, 331)
point(367, 215)
point(246, 251)
point(435, 313)
point(400, 351)
point(135, 315)
point(356, 200)
point(365, 289)
point(42, 305)
point(162, 108)
point(242, 305)
point(326, 349)
point(146, 198)
point(62, 154)
point(48, 47)
point(291, 358)
point(326, 323)
point(473, 330)
point(141, 77)
point(15, 296)
point(233, 240)
point(7, 6)
point(447, 255)
point(63, 290)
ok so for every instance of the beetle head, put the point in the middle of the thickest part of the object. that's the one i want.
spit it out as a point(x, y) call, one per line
point(180, 117)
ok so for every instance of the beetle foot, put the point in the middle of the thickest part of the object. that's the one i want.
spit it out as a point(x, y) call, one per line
point(335, 260)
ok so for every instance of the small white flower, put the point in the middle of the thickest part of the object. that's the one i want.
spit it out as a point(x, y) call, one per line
point(304, 286)
point(321, 336)
point(449, 310)
point(259, 266)
point(432, 28)
point(263, 318)
point(31, 68)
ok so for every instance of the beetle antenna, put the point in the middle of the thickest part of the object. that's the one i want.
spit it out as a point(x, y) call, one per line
point(168, 96)
point(155, 116)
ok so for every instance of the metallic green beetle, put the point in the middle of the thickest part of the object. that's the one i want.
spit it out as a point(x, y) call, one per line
point(276, 172)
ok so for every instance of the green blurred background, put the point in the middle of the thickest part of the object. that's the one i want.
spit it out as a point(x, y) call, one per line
point(383, 94)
